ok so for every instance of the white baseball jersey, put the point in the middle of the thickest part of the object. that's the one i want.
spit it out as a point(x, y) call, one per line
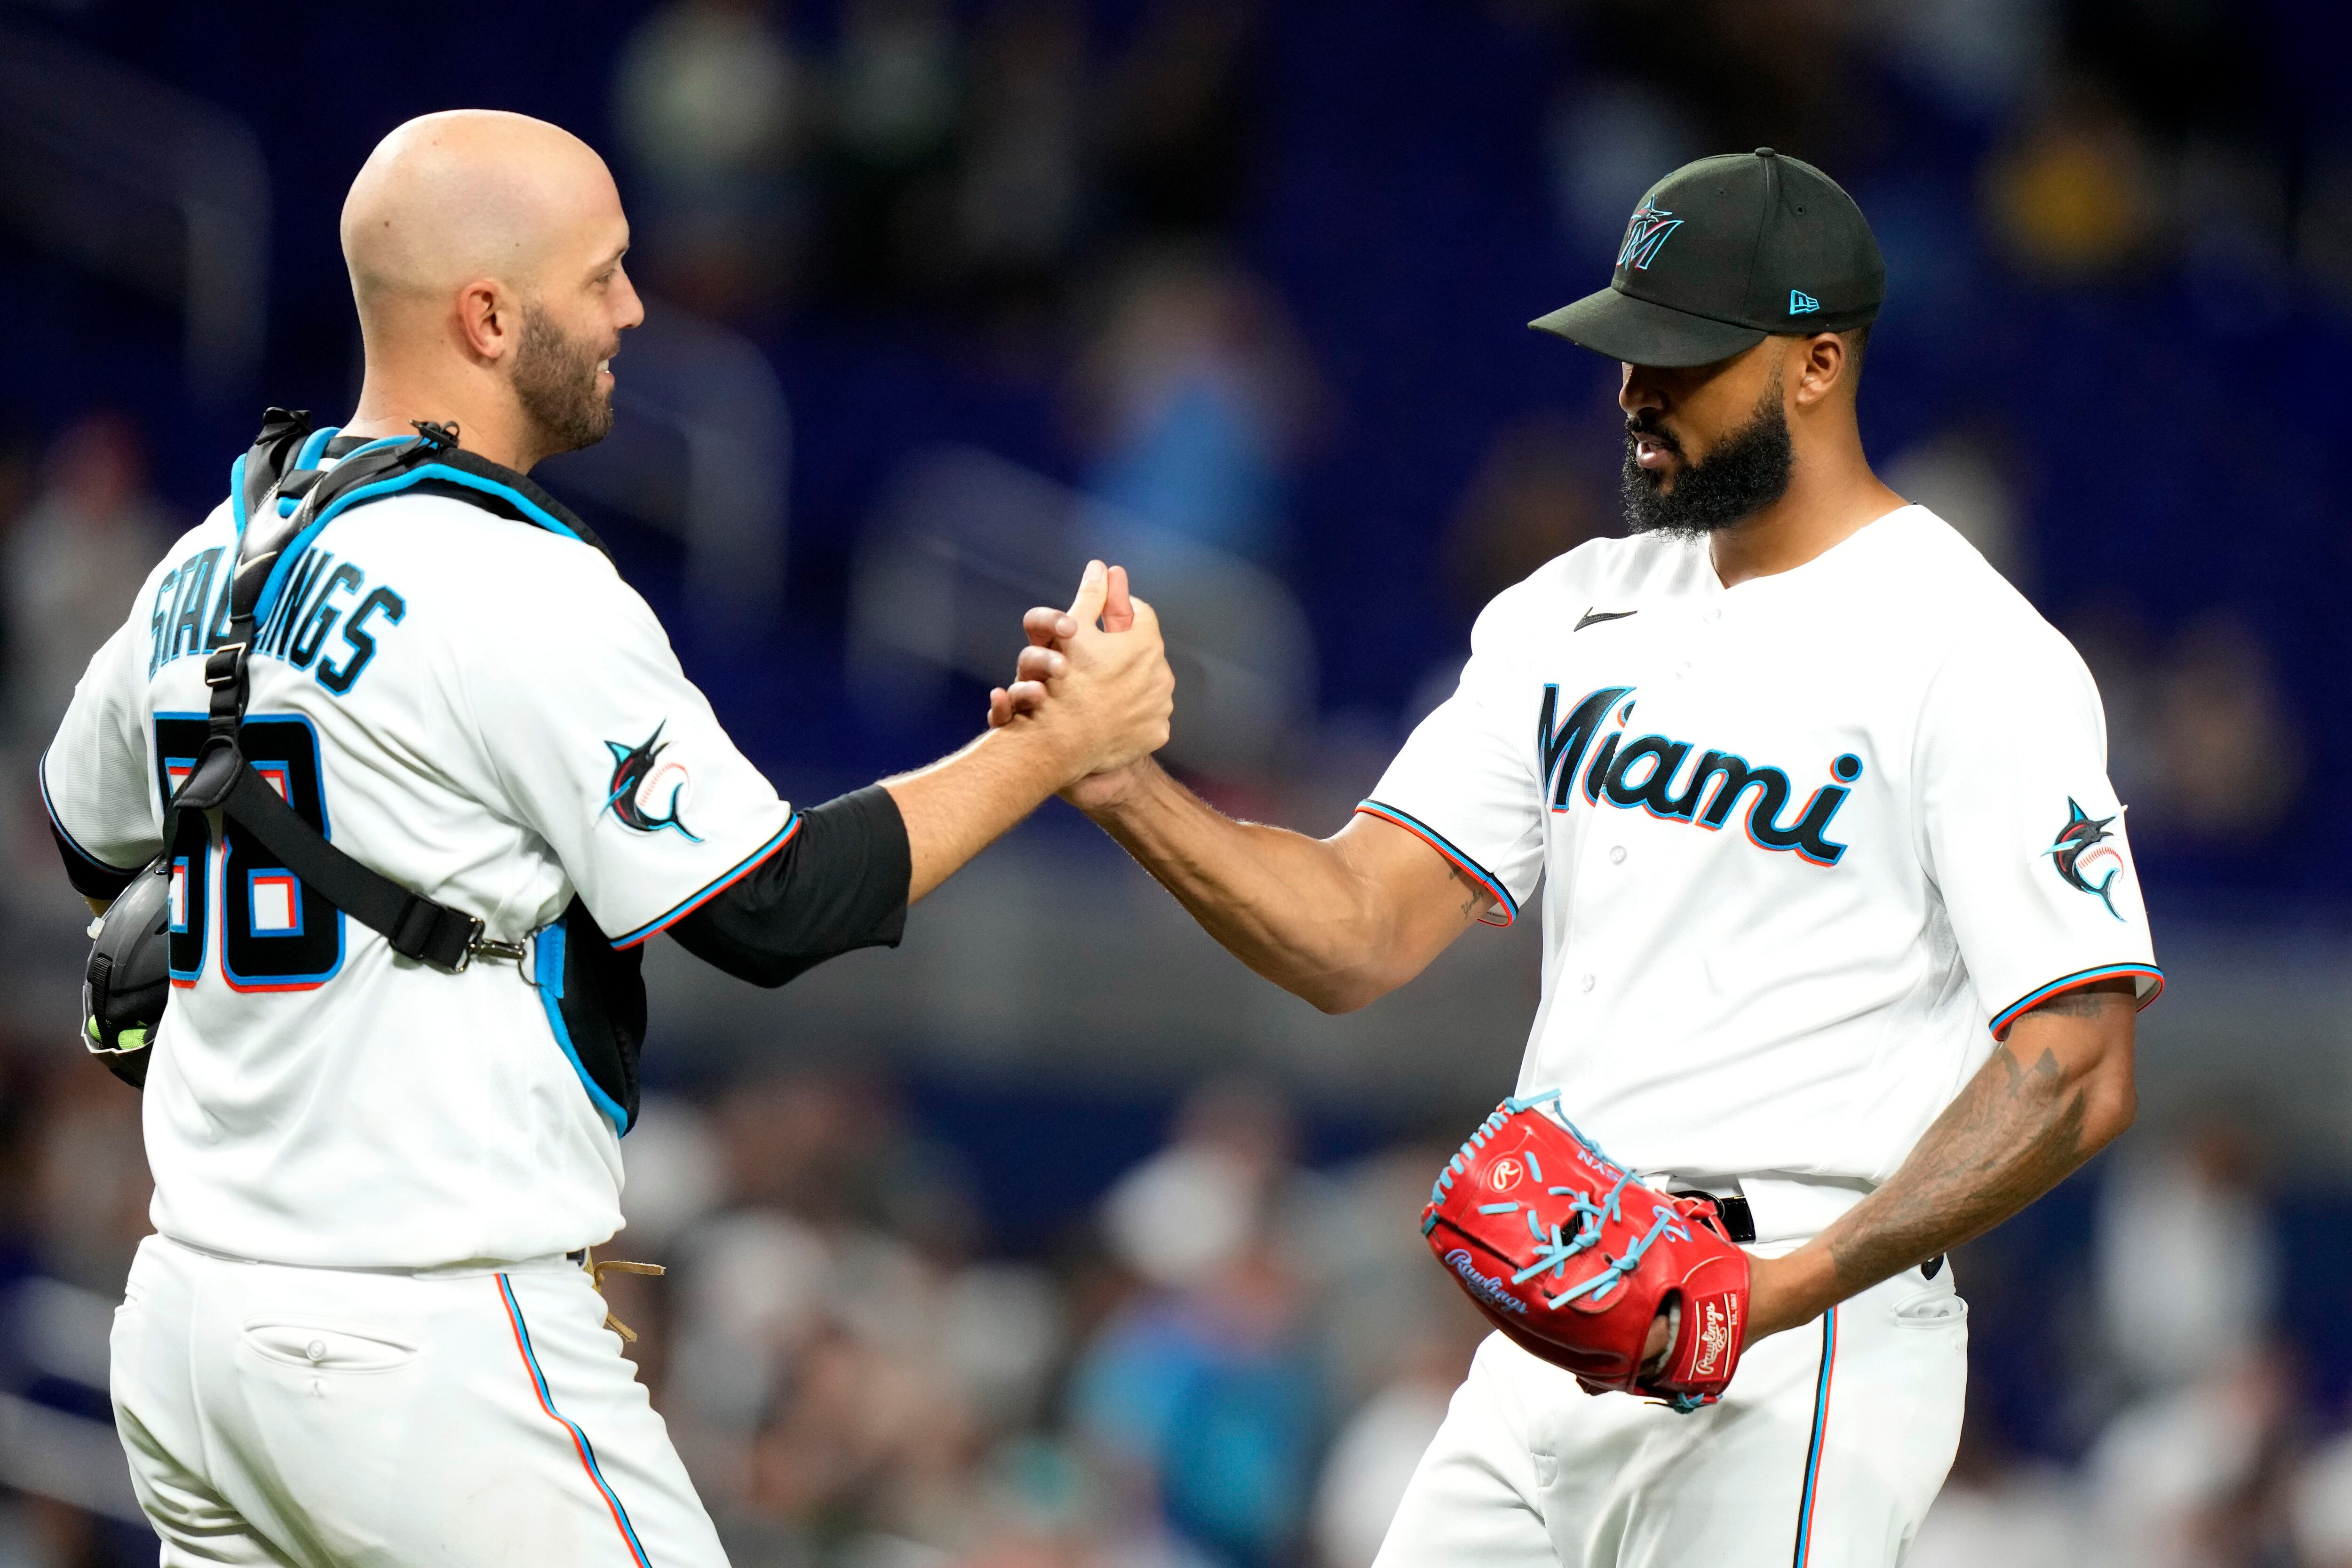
point(483, 712)
point(1813, 841)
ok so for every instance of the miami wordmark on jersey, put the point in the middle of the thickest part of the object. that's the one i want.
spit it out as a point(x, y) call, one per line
point(1807, 845)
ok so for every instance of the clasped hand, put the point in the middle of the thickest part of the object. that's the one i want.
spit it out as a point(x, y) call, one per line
point(1099, 671)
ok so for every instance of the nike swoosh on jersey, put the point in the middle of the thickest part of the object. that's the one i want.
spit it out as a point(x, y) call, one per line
point(1594, 617)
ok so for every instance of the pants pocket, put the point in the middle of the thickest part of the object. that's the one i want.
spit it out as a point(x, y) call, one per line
point(315, 1345)
point(1931, 1310)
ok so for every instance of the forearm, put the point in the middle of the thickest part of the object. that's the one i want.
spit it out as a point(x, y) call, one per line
point(1294, 909)
point(962, 804)
point(2043, 1105)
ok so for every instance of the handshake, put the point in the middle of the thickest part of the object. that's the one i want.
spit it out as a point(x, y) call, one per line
point(1095, 683)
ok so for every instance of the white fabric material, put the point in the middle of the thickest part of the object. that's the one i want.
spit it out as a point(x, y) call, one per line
point(328, 1418)
point(1371, 1463)
point(1530, 1471)
point(472, 685)
point(1752, 996)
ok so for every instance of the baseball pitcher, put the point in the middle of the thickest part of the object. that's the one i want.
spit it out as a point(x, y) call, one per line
point(1842, 938)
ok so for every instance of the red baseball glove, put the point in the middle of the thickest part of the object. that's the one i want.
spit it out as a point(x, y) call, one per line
point(1569, 1255)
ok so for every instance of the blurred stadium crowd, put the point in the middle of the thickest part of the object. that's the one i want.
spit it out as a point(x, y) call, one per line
point(1230, 1358)
point(1238, 288)
point(945, 297)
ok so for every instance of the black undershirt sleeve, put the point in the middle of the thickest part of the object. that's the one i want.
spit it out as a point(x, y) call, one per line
point(92, 878)
point(837, 885)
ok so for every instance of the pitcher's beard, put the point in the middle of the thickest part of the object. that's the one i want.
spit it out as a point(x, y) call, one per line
point(1747, 471)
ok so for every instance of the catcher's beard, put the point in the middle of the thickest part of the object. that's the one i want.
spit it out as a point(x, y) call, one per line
point(555, 382)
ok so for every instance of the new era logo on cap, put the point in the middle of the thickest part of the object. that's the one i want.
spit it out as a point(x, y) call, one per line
point(1801, 303)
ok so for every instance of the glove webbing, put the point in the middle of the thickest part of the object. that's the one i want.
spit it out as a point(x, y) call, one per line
point(1554, 1250)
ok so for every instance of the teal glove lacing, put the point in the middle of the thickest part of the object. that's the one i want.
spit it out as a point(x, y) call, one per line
point(1553, 1249)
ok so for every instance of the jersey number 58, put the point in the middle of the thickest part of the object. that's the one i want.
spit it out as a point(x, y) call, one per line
point(274, 934)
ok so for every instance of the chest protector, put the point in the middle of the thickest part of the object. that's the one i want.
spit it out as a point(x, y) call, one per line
point(594, 996)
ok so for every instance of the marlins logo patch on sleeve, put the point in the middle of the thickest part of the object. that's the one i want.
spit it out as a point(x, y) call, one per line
point(2076, 852)
point(646, 792)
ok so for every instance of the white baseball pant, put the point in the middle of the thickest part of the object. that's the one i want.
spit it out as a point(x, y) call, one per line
point(343, 1418)
point(1825, 1452)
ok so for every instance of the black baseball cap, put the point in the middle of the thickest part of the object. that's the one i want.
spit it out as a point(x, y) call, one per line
point(1722, 253)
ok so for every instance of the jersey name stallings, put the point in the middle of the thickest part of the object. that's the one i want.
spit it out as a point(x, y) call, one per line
point(316, 594)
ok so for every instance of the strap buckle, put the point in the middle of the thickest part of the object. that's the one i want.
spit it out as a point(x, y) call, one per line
point(498, 952)
point(435, 935)
point(475, 945)
point(225, 666)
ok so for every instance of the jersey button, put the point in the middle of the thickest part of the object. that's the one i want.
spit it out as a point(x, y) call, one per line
point(1712, 616)
point(1616, 856)
point(316, 1350)
point(1585, 984)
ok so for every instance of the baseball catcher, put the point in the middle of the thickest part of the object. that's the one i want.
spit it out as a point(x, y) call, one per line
point(386, 784)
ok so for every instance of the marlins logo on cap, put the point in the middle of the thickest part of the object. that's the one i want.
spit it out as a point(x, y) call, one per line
point(1774, 247)
point(1644, 234)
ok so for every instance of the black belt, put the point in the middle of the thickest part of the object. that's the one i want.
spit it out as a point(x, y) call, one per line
point(1739, 1225)
point(1738, 1220)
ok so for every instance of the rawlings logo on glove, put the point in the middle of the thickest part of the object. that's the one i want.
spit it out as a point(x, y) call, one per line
point(1575, 1265)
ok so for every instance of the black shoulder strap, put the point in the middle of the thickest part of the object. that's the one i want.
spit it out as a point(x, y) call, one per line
point(414, 925)
point(257, 473)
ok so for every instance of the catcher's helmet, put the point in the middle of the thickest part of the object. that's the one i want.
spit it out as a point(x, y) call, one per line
point(129, 979)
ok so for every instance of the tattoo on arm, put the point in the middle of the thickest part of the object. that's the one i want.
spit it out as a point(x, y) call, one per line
point(2072, 1004)
point(1478, 898)
point(2013, 1133)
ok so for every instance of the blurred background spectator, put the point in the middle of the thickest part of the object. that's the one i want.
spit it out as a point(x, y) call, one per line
point(2188, 1263)
point(2000, 1508)
point(713, 113)
point(1055, 1239)
point(75, 560)
point(1190, 400)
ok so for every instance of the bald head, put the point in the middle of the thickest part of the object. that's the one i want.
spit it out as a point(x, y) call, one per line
point(485, 253)
point(472, 192)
